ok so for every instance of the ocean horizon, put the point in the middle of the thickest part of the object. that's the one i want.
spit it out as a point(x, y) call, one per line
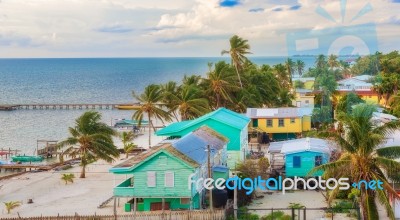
point(85, 80)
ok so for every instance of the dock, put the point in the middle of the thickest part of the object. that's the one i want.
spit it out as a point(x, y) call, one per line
point(87, 106)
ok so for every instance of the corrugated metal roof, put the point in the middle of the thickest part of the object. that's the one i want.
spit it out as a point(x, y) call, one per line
point(167, 147)
point(222, 115)
point(194, 145)
point(278, 112)
point(300, 145)
point(190, 149)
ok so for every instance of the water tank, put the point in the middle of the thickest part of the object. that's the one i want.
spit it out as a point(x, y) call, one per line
point(220, 197)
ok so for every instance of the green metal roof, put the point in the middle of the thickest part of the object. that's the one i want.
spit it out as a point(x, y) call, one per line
point(222, 115)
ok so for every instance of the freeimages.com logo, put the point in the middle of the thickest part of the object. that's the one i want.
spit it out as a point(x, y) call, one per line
point(340, 39)
point(280, 184)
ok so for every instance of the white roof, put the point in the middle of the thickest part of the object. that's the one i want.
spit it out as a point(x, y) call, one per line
point(300, 145)
point(363, 77)
point(278, 112)
point(353, 82)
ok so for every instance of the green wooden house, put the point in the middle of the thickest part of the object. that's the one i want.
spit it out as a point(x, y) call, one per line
point(302, 155)
point(230, 124)
point(159, 179)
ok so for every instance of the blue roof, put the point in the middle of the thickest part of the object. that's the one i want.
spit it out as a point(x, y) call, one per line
point(222, 115)
point(194, 145)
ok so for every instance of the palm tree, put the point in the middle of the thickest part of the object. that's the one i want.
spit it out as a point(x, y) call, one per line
point(127, 138)
point(239, 48)
point(11, 205)
point(189, 102)
point(333, 61)
point(90, 139)
point(168, 89)
point(290, 66)
point(320, 62)
point(362, 158)
point(300, 67)
point(68, 178)
point(192, 79)
point(151, 105)
point(219, 84)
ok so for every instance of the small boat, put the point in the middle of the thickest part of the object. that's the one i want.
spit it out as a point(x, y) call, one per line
point(128, 107)
point(27, 158)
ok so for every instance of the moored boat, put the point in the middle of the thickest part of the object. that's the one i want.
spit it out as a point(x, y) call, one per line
point(27, 158)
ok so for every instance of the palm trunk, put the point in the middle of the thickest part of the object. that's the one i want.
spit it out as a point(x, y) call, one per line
point(83, 172)
point(126, 155)
point(149, 114)
point(237, 71)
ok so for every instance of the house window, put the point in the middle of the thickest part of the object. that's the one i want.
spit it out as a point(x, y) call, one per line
point(151, 179)
point(185, 201)
point(269, 123)
point(255, 123)
point(292, 120)
point(296, 161)
point(162, 160)
point(318, 160)
point(169, 179)
point(281, 122)
point(307, 102)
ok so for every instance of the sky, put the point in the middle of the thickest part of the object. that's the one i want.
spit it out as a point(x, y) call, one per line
point(195, 28)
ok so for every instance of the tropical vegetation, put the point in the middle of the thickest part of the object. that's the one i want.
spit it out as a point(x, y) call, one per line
point(90, 139)
point(363, 158)
point(67, 177)
point(127, 138)
point(11, 205)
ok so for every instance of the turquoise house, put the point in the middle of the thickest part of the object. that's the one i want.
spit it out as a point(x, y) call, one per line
point(232, 125)
point(159, 178)
point(302, 155)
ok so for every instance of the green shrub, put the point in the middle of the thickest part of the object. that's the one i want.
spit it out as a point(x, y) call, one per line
point(342, 207)
point(278, 215)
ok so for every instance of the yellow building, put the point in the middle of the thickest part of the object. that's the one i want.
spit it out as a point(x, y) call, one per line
point(304, 98)
point(360, 86)
point(281, 123)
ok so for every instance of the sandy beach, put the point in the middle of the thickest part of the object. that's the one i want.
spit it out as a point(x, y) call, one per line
point(51, 196)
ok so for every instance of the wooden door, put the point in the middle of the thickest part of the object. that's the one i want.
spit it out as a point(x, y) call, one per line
point(154, 206)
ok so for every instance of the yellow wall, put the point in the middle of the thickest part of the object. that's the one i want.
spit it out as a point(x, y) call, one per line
point(309, 85)
point(303, 99)
point(299, 125)
point(370, 99)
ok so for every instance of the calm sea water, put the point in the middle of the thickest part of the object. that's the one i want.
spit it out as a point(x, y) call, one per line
point(83, 80)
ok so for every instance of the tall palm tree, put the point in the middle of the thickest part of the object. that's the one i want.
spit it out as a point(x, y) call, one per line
point(219, 84)
point(11, 205)
point(127, 138)
point(333, 61)
point(290, 67)
point(300, 67)
point(167, 89)
point(90, 139)
point(189, 102)
point(320, 62)
point(152, 106)
point(192, 79)
point(363, 159)
point(282, 75)
point(238, 51)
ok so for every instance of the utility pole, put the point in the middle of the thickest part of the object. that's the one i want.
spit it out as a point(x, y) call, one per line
point(209, 176)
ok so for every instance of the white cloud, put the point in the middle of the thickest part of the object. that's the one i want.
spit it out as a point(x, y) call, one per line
point(65, 28)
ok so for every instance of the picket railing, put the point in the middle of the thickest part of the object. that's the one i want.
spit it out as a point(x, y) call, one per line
point(152, 215)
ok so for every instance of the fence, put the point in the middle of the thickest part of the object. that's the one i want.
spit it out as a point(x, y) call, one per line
point(152, 215)
point(296, 214)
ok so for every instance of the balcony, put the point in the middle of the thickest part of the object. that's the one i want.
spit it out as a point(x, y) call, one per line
point(125, 188)
point(352, 87)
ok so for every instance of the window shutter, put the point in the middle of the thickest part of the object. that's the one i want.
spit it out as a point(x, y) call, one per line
point(151, 179)
point(169, 179)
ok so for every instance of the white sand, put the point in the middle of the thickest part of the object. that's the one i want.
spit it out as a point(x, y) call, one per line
point(52, 197)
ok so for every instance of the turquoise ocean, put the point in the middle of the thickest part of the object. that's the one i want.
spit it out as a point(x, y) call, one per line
point(84, 80)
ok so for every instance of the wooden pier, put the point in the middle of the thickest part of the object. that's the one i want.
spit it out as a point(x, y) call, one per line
point(86, 106)
point(8, 152)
